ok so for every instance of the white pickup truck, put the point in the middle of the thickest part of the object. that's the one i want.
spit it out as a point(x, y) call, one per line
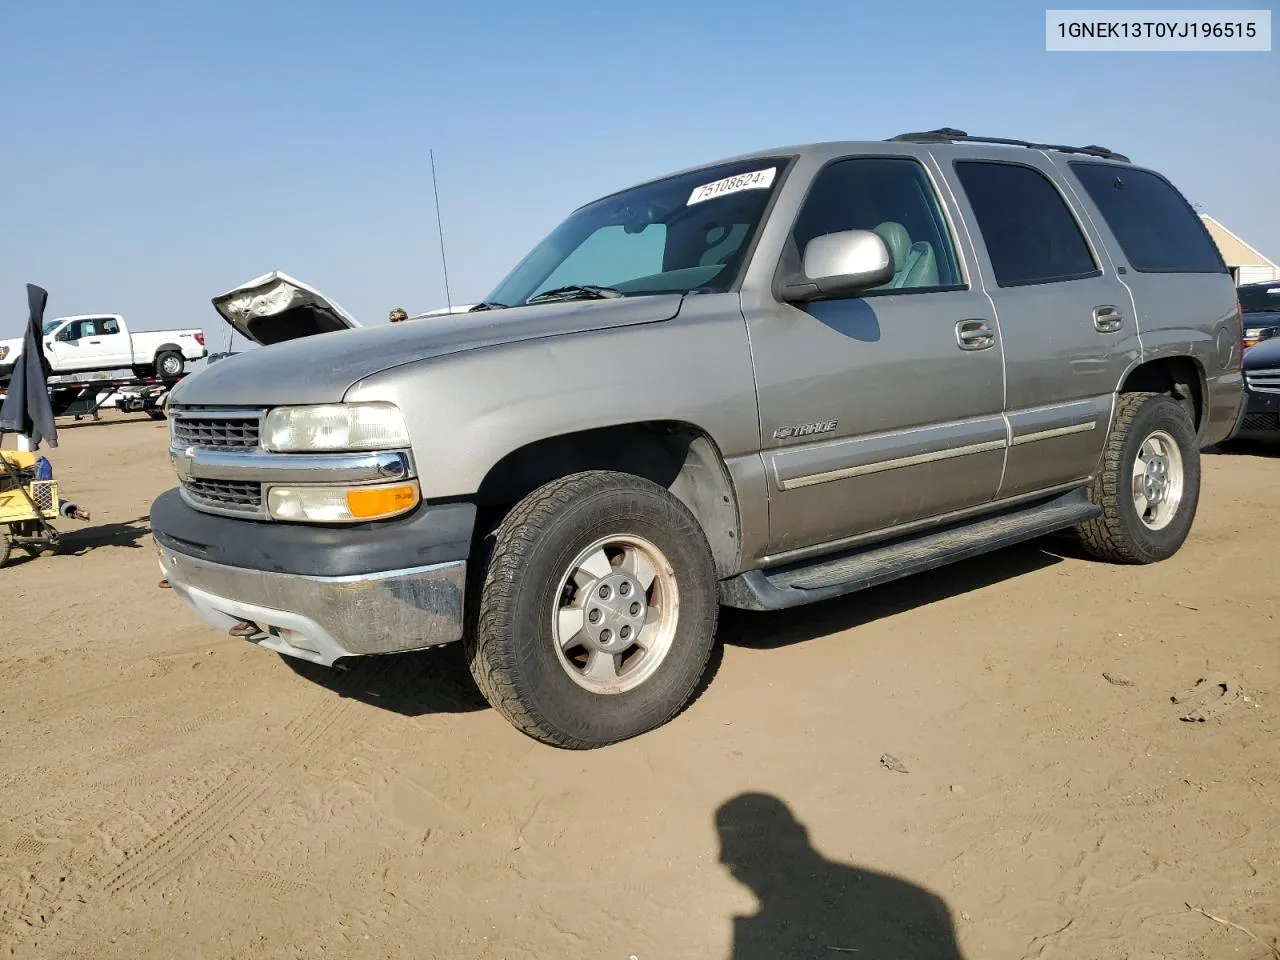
point(93, 342)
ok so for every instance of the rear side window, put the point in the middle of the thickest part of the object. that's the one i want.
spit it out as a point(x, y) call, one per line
point(1030, 234)
point(1154, 225)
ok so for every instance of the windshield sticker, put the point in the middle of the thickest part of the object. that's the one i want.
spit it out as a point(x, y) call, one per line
point(755, 180)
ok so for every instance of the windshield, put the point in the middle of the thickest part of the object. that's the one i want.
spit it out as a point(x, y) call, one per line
point(1263, 298)
point(50, 326)
point(689, 232)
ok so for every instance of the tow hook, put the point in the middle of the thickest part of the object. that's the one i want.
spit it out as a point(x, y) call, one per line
point(245, 629)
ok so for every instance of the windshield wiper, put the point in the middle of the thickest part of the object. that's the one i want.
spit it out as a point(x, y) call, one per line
point(575, 291)
point(487, 305)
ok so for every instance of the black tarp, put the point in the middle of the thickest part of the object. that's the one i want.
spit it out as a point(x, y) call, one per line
point(26, 409)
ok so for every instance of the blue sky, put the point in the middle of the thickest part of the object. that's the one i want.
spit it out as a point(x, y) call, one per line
point(159, 153)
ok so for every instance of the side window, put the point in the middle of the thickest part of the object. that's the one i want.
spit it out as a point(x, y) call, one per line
point(893, 197)
point(106, 327)
point(1030, 234)
point(1154, 225)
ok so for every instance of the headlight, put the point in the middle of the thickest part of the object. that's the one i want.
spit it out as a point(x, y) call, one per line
point(1253, 334)
point(337, 426)
point(316, 504)
point(4, 352)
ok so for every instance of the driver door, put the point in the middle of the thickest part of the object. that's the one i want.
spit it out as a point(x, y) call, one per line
point(885, 407)
point(67, 351)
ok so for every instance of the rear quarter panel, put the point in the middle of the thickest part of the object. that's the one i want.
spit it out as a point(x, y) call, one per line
point(147, 344)
point(1192, 315)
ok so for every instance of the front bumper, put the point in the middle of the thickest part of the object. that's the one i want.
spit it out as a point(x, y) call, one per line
point(1261, 417)
point(321, 593)
point(323, 619)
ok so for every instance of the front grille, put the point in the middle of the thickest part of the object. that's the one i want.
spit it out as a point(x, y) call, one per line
point(1263, 381)
point(220, 432)
point(1260, 421)
point(238, 495)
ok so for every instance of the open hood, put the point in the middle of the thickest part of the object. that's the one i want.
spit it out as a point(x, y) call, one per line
point(275, 307)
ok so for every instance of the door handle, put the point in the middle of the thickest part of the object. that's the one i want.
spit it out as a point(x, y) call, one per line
point(95, 342)
point(974, 335)
point(1107, 319)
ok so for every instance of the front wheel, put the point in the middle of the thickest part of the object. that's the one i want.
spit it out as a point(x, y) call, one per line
point(597, 613)
point(1149, 484)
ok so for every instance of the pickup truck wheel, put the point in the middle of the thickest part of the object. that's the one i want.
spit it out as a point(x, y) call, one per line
point(1149, 484)
point(597, 613)
point(169, 364)
point(6, 547)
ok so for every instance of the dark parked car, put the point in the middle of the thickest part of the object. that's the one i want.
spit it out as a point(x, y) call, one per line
point(1261, 420)
point(1260, 303)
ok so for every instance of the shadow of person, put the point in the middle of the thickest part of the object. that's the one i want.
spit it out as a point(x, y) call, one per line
point(811, 907)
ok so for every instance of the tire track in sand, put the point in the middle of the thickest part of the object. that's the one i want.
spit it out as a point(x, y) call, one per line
point(318, 732)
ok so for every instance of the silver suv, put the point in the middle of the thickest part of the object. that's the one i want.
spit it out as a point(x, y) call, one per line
point(761, 383)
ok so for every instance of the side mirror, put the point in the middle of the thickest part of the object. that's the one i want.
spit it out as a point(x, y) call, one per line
point(838, 264)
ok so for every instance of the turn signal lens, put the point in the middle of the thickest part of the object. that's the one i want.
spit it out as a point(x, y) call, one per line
point(341, 504)
point(373, 502)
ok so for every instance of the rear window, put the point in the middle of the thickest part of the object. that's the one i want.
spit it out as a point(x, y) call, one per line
point(1154, 225)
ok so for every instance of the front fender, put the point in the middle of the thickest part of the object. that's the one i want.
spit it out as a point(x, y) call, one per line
point(467, 411)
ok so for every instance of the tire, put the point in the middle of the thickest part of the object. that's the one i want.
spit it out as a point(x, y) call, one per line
point(6, 546)
point(531, 599)
point(169, 364)
point(1157, 423)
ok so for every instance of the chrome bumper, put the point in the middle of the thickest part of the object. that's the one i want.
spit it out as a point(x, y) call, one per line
point(324, 618)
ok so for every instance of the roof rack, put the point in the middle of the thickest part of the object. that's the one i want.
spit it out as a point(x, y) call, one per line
point(951, 135)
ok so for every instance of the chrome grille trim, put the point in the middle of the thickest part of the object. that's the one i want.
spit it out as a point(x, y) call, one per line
point(233, 497)
point(1263, 381)
point(217, 429)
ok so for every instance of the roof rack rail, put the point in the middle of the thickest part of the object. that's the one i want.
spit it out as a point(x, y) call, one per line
point(951, 135)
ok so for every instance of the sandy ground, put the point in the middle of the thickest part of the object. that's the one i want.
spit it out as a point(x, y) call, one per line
point(167, 791)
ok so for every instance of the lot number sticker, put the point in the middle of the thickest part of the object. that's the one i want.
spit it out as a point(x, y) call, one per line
point(755, 180)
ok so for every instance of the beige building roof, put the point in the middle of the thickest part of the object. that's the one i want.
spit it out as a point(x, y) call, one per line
point(1235, 251)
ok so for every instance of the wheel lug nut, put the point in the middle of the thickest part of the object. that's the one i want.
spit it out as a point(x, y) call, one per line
point(594, 616)
point(635, 609)
point(604, 593)
point(625, 589)
point(606, 635)
point(625, 633)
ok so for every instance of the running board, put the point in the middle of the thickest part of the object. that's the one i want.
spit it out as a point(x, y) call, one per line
point(832, 576)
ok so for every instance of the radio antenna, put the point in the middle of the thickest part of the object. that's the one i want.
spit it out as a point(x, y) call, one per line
point(444, 264)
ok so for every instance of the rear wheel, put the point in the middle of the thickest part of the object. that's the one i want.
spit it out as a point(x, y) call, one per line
point(169, 364)
point(597, 612)
point(1149, 484)
point(6, 547)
